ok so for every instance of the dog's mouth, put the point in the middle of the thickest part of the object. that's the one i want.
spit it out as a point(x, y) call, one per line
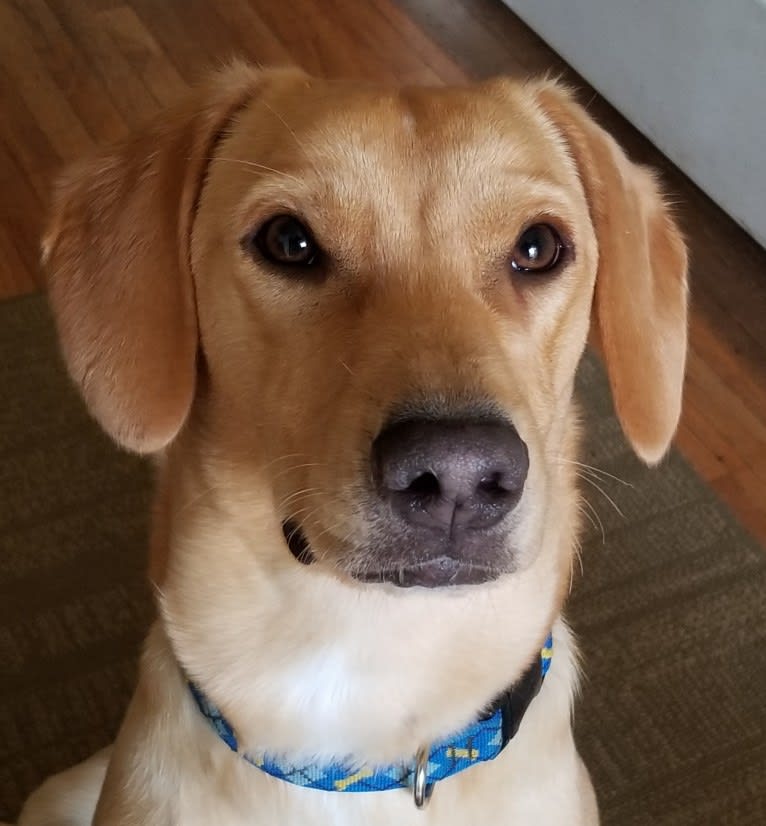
point(297, 542)
point(439, 572)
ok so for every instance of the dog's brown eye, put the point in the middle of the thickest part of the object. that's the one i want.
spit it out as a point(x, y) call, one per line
point(537, 250)
point(286, 241)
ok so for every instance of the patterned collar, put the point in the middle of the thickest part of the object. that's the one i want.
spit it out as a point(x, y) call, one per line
point(478, 742)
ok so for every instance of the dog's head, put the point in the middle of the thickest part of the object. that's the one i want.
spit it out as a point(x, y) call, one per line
point(353, 316)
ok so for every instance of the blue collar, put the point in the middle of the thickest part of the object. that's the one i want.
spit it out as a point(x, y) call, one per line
point(478, 742)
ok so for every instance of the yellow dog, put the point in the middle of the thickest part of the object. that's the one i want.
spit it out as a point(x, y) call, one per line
point(347, 321)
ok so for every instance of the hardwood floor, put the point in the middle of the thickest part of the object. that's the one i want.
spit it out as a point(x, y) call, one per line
point(74, 73)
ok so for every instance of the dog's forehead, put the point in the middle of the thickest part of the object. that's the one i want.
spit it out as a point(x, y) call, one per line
point(368, 166)
point(462, 130)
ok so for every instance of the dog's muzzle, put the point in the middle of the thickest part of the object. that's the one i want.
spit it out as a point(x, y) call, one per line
point(441, 495)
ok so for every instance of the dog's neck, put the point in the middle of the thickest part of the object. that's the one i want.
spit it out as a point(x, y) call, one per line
point(366, 670)
point(478, 742)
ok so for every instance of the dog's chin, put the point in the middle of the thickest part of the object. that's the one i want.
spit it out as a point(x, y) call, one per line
point(439, 572)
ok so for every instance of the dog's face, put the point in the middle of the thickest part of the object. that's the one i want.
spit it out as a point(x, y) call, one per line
point(350, 317)
point(392, 298)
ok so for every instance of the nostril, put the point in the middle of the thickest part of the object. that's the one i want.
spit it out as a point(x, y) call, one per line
point(425, 485)
point(495, 485)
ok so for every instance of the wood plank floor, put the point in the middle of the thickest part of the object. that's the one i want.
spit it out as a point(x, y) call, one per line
point(74, 73)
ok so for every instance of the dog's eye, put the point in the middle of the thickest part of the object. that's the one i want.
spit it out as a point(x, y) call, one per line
point(537, 250)
point(286, 241)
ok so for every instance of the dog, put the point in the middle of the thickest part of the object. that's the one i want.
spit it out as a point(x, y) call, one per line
point(346, 321)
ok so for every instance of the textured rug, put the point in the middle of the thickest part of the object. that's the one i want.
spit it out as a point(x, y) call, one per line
point(671, 610)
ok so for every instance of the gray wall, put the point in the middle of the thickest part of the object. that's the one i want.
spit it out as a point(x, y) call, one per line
point(690, 74)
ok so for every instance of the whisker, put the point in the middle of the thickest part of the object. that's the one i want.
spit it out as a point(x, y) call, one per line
point(603, 493)
point(594, 469)
point(594, 519)
point(299, 494)
point(333, 529)
point(281, 459)
point(309, 512)
point(199, 497)
point(602, 476)
point(576, 555)
point(259, 166)
point(296, 467)
point(329, 529)
point(284, 123)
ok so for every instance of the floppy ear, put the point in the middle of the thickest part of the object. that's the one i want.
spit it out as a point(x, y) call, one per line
point(640, 302)
point(116, 253)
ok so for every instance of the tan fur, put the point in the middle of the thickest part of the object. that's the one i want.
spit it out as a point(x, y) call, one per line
point(267, 391)
point(641, 322)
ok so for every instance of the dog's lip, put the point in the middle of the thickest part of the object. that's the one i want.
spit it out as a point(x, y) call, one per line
point(297, 542)
point(438, 572)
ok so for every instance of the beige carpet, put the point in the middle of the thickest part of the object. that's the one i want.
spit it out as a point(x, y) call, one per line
point(671, 610)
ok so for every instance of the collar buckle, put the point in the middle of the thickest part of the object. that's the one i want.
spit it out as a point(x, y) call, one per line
point(421, 788)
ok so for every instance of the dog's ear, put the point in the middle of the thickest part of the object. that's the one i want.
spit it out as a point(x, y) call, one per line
point(116, 253)
point(640, 303)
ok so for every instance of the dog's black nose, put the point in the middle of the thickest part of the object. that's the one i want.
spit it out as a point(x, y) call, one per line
point(450, 475)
